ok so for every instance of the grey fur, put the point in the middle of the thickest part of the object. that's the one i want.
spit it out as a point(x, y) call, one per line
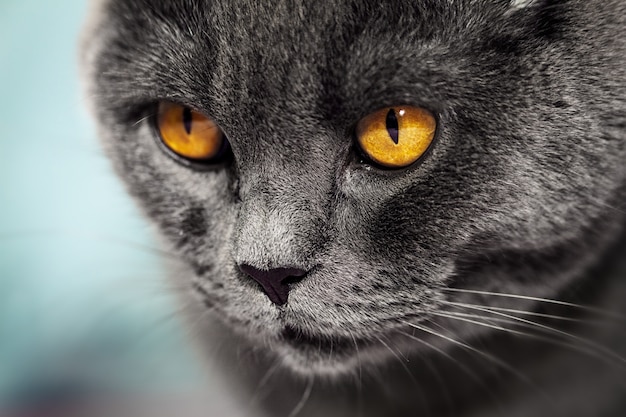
point(522, 193)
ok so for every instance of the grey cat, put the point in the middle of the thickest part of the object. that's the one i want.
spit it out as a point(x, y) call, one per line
point(484, 277)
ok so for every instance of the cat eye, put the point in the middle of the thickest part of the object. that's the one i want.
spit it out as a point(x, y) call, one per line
point(396, 137)
point(190, 134)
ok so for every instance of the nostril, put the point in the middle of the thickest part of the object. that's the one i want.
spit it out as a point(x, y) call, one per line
point(275, 282)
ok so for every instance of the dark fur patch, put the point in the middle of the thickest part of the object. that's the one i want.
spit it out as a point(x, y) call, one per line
point(194, 222)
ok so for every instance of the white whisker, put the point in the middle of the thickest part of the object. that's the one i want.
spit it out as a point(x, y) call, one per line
point(256, 395)
point(359, 388)
point(403, 361)
point(587, 342)
point(542, 300)
point(487, 356)
point(458, 363)
point(143, 119)
point(471, 318)
point(87, 235)
point(304, 399)
point(547, 316)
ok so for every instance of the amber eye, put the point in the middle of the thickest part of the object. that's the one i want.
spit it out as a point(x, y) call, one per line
point(190, 134)
point(395, 137)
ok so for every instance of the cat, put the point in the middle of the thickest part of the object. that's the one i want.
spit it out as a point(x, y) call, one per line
point(481, 275)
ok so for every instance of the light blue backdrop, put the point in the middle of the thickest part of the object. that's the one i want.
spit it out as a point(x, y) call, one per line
point(81, 299)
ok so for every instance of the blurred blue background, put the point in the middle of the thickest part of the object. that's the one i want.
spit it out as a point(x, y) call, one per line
point(83, 301)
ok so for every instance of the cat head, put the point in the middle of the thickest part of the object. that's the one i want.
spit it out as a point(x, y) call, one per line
point(296, 238)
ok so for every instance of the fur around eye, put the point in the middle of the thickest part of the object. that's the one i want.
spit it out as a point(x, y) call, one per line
point(396, 137)
point(190, 134)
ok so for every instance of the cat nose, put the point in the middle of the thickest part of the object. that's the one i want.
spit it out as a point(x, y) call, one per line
point(275, 282)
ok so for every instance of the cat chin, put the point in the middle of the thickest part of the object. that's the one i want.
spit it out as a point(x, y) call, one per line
point(335, 356)
point(307, 363)
point(342, 361)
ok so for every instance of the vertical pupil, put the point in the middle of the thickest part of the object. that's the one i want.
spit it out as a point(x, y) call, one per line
point(187, 119)
point(392, 125)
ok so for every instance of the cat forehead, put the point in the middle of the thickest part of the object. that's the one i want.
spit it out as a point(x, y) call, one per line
point(278, 25)
point(266, 13)
point(158, 3)
point(263, 28)
point(225, 54)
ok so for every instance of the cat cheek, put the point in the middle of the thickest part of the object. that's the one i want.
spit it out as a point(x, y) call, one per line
point(194, 222)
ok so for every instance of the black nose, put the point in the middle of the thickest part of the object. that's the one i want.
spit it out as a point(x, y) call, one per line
point(275, 282)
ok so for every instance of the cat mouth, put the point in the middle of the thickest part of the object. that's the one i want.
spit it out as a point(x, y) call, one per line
point(321, 347)
point(301, 340)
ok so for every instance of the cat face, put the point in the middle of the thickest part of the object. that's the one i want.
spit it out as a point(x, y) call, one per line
point(514, 194)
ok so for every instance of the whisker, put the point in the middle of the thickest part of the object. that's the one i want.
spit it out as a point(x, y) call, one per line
point(445, 354)
point(487, 356)
point(195, 325)
point(460, 364)
point(304, 399)
point(548, 316)
point(359, 388)
point(143, 119)
point(330, 353)
point(403, 361)
point(469, 318)
point(446, 394)
point(395, 354)
point(256, 395)
point(543, 300)
point(542, 326)
point(20, 234)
